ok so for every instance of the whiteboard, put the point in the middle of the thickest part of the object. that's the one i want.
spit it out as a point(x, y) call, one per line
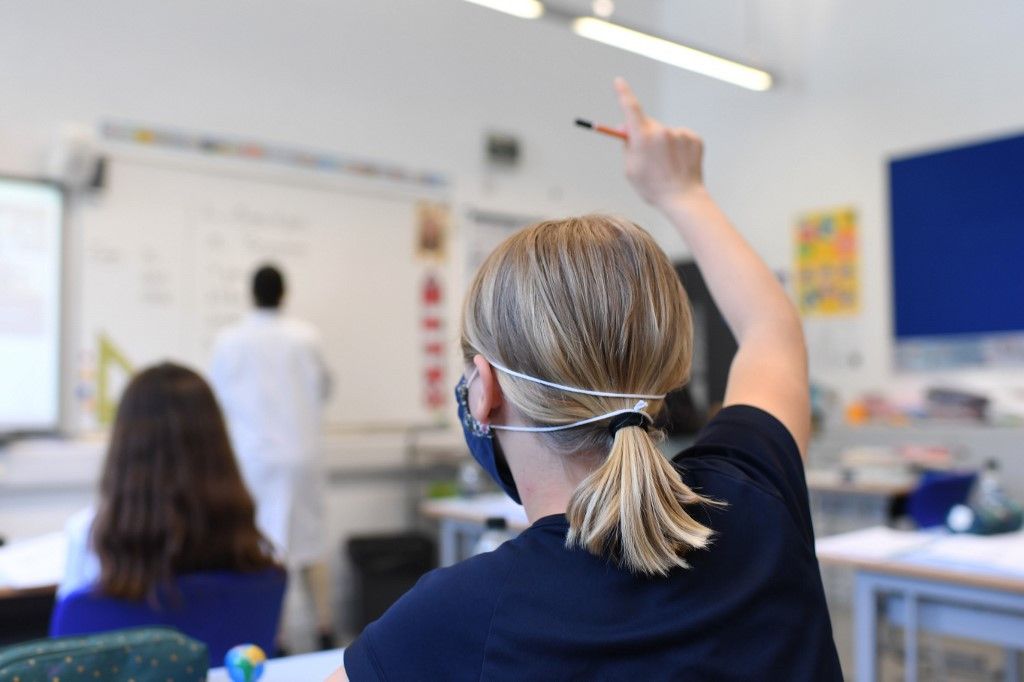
point(167, 254)
point(31, 249)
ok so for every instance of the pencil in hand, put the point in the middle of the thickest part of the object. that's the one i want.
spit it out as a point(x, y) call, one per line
point(597, 127)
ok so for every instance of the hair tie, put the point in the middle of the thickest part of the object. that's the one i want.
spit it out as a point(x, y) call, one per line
point(631, 418)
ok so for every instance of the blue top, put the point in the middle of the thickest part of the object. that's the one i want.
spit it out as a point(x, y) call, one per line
point(750, 606)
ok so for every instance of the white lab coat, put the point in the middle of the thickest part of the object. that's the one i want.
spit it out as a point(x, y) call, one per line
point(269, 375)
point(82, 566)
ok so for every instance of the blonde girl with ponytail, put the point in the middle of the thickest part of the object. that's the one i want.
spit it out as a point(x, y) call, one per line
point(635, 566)
point(608, 313)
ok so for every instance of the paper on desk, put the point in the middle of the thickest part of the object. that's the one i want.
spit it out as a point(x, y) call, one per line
point(36, 562)
point(480, 507)
point(877, 543)
point(992, 553)
point(501, 505)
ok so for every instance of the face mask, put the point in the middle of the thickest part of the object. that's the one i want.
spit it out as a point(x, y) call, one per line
point(485, 449)
point(481, 443)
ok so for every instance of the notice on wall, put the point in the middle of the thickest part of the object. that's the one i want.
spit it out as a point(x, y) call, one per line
point(435, 390)
point(827, 263)
point(433, 228)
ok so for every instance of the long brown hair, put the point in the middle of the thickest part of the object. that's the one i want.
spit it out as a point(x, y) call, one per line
point(172, 500)
point(594, 302)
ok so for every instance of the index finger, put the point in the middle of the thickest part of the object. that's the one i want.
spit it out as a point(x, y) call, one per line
point(634, 113)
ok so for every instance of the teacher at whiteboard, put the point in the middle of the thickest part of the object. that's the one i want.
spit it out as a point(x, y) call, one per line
point(269, 374)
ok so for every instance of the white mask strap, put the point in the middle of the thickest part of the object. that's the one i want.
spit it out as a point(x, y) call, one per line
point(638, 409)
point(571, 389)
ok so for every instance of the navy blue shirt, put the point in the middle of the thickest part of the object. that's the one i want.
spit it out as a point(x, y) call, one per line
point(751, 606)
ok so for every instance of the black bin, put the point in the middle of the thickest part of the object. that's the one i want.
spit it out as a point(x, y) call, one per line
point(386, 566)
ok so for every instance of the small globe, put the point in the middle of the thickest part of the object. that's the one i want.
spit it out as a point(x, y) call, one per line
point(244, 663)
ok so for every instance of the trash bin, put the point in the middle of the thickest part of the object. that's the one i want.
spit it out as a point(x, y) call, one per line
point(386, 566)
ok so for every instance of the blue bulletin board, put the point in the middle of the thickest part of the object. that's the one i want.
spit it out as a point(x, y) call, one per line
point(957, 219)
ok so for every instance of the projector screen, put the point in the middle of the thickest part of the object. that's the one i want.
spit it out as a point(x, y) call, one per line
point(31, 236)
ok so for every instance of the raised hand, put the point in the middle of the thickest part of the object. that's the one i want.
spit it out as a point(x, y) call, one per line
point(662, 163)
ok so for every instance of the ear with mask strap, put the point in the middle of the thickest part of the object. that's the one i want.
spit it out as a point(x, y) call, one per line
point(482, 444)
point(485, 449)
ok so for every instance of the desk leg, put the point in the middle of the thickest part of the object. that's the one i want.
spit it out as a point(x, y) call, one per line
point(865, 625)
point(449, 542)
point(1013, 671)
point(910, 638)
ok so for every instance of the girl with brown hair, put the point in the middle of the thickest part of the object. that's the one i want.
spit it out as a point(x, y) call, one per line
point(635, 566)
point(171, 499)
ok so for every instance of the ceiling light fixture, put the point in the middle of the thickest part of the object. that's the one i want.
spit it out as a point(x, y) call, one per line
point(603, 8)
point(672, 53)
point(524, 9)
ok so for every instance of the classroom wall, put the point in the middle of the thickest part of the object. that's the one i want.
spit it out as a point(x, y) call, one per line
point(858, 81)
point(413, 82)
point(420, 83)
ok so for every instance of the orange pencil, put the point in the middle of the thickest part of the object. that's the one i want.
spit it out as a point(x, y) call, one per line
point(597, 127)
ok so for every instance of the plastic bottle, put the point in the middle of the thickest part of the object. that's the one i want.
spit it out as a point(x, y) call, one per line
point(994, 512)
point(495, 533)
point(990, 490)
point(470, 480)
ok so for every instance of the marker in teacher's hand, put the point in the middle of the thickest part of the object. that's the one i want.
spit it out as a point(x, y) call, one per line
point(597, 127)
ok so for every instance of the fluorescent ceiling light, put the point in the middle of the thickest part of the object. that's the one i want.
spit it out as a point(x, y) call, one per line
point(671, 53)
point(525, 9)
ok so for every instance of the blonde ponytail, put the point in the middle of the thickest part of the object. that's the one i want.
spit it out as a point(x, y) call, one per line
point(594, 302)
point(631, 508)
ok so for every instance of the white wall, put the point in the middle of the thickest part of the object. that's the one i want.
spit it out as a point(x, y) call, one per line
point(408, 81)
point(858, 81)
point(420, 82)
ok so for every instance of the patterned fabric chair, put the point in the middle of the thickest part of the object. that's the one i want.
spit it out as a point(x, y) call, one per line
point(141, 654)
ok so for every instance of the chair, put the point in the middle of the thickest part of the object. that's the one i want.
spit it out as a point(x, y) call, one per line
point(149, 653)
point(936, 494)
point(219, 608)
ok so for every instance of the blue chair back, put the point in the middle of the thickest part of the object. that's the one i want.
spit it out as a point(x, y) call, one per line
point(219, 608)
point(936, 494)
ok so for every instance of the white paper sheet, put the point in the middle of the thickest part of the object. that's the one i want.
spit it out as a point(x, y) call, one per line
point(992, 553)
point(877, 543)
point(37, 562)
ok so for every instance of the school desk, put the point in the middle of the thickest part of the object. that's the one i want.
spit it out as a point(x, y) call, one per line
point(970, 587)
point(461, 521)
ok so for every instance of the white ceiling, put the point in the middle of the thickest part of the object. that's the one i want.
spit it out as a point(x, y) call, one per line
point(646, 13)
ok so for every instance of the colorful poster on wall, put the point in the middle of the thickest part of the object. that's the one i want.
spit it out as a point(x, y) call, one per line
point(827, 268)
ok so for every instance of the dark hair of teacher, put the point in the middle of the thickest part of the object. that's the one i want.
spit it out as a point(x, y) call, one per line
point(268, 287)
point(172, 500)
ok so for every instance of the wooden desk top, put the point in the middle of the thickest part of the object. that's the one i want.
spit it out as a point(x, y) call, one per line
point(21, 592)
point(943, 574)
